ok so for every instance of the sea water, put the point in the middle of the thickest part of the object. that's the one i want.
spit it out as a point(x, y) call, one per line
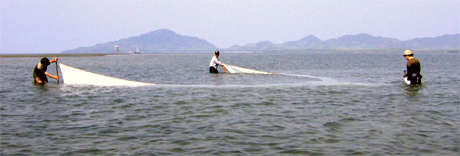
point(318, 103)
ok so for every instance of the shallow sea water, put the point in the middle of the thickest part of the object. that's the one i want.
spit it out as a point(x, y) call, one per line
point(358, 106)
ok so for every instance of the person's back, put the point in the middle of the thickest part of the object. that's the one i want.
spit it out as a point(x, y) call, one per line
point(413, 68)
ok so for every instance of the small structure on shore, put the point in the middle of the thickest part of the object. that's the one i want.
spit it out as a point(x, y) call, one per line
point(116, 51)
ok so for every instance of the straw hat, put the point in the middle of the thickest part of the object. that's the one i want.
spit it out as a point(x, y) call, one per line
point(408, 52)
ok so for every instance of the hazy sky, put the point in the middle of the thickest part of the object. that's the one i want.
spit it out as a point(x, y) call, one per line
point(51, 26)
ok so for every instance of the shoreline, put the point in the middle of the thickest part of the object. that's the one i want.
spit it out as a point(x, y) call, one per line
point(53, 55)
point(230, 52)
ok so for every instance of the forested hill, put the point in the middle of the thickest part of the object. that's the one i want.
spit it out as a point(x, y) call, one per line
point(359, 42)
point(159, 41)
point(167, 41)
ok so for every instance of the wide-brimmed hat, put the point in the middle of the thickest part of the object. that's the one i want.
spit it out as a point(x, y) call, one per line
point(408, 53)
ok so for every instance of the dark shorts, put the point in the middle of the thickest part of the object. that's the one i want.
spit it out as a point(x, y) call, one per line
point(416, 80)
point(213, 70)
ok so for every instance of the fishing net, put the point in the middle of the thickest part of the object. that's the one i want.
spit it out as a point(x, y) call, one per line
point(236, 69)
point(72, 75)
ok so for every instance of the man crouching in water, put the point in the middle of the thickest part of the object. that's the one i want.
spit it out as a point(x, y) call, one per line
point(40, 71)
point(413, 68)
point(215, 63)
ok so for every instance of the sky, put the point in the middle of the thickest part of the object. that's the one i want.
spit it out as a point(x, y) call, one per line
point(52, 26)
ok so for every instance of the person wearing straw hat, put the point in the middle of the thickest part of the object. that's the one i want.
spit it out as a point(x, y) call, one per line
point(215, 63)
point(413, 68)
point(40, 71)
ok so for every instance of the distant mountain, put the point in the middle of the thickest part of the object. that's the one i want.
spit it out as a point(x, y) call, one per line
point(303, 43)
point(441, 42)
point(161, 40)
point(359, 42)
point(167, 41)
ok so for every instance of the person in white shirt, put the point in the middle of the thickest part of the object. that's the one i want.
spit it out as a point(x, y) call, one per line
point(215, 63)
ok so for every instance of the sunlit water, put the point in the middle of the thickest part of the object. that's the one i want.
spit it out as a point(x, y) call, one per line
point(316, 104)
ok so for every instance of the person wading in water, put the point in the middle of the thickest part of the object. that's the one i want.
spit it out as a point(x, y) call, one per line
point(413, 68)
point(40, 71)
point(215, 63)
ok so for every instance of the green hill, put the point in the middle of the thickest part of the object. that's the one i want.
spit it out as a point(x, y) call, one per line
point(359, 42)
point(167, 41)
point(159, 41)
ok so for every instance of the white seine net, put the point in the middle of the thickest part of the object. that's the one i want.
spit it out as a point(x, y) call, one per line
point(72, 75)
point(236, 69)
